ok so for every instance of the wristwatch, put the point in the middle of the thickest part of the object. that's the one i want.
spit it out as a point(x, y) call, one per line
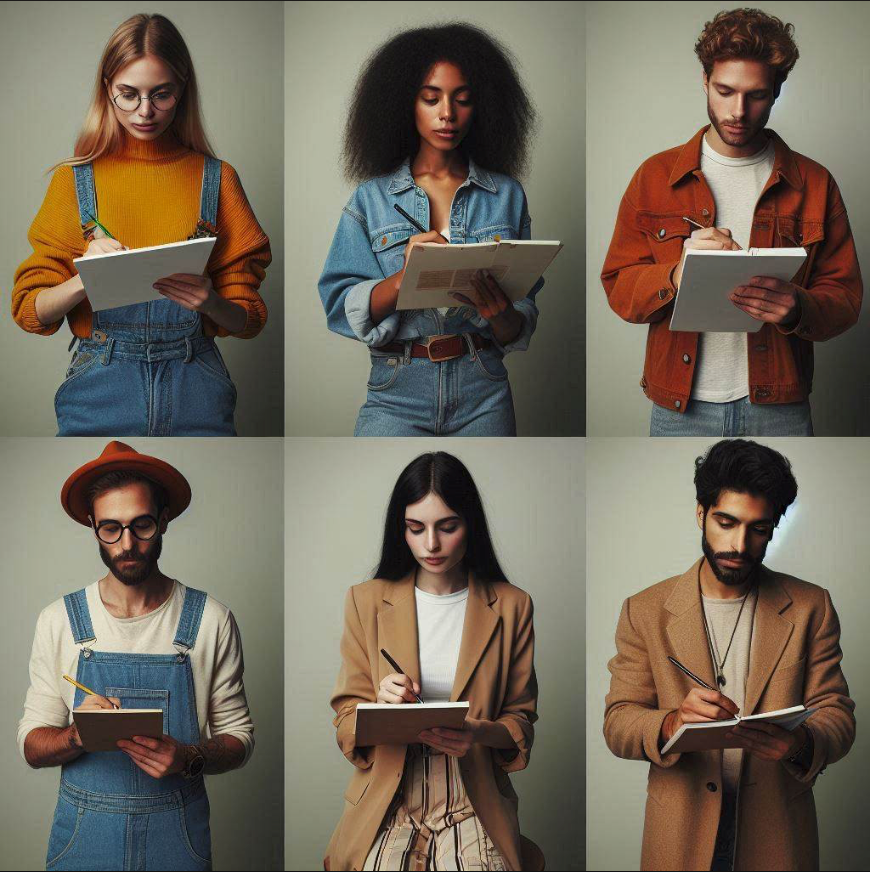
point(195, 763)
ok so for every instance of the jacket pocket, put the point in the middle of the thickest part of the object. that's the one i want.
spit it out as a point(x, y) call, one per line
point(794, 232)
point(359, 783)
point(493, 233)
point(388, 246)
point(665, 233)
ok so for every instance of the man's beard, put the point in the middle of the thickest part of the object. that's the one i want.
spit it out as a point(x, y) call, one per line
point(731, 577)
point(750, 133)
point(136, 574)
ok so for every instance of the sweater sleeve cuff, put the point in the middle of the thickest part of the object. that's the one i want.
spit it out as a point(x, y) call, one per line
point(357, 308)
point(27, 319)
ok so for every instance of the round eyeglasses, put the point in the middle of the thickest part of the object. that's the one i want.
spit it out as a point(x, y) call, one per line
point(143, 528)
point(130, 101)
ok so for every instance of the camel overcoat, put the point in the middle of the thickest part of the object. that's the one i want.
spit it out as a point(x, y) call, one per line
point(795, 658)
point(495, 674)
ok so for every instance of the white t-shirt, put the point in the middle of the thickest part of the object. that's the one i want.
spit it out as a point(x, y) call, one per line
point(215, 661)
point(445, 309)
point(439, 632)
point(722, 371)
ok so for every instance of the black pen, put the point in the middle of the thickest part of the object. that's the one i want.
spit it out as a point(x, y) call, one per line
point(396, 665)
point(691, 674)
point(417, 225)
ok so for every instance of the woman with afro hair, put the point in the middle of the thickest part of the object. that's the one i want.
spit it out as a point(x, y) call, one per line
point(439, 125)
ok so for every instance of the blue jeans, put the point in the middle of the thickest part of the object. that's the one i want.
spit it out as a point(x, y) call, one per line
point(110, 814)
point(737, 418)
point(413, 396)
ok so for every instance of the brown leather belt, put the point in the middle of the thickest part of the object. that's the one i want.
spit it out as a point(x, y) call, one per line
point(438, 348)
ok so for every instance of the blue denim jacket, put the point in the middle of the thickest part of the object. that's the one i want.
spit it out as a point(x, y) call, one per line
point(370, 241)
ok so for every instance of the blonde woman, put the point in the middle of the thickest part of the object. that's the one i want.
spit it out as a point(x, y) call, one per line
point(144, 171)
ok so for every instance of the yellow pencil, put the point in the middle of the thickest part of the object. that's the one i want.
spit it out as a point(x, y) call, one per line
point(85, 689)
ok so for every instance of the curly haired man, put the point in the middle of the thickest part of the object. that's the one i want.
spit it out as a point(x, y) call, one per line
point(740, 186)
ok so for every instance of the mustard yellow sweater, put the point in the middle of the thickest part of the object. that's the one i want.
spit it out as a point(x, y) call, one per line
point(147, 194)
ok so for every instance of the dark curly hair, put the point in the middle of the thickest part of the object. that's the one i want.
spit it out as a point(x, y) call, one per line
point(747, 468)
point(752, 35)
point(119, 478)
point(381, 133)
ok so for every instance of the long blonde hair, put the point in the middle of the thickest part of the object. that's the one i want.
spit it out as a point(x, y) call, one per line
point(138, 36)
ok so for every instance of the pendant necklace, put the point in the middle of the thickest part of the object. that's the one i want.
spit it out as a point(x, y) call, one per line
point(711, 641)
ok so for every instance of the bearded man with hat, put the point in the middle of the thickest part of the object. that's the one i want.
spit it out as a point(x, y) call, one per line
point(137, 639)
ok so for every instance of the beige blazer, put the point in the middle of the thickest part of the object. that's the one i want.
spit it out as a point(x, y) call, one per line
point(495, 673)
point(795, 658)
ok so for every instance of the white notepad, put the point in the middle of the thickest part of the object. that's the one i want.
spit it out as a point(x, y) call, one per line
point(435, 269)
point(387, 724)
point(703, 303)
point(710, 735)
point(100, 729)
point(121, 278)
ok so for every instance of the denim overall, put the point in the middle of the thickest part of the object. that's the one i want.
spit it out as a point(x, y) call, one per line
point(147, 369)
point(110, 814)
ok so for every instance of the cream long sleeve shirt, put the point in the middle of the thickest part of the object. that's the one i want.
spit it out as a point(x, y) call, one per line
point(216, 663)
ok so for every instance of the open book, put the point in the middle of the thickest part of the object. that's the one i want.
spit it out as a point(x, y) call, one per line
point(710, 735)
point(387, 724)
point(703, 302)
point(121, 278)
point(100, 729)
point(434, 270)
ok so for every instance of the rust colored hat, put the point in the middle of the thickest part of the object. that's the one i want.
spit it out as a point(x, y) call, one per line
point(119, 456)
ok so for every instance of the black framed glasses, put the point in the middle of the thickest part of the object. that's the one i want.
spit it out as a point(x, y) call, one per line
point(130, 101)
point(143, 528)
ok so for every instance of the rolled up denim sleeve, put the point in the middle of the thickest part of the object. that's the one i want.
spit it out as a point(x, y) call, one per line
point(349, 276)
point(526, 307)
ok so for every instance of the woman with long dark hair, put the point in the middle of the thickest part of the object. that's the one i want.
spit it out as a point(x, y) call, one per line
point(441, 606)
point(439, 125)
point(143, 173)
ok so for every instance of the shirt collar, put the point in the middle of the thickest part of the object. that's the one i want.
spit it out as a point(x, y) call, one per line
point(402, 179)
point(784, 162)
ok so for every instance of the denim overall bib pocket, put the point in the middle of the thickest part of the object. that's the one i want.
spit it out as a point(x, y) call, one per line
point(147, 369)
point(110, 814)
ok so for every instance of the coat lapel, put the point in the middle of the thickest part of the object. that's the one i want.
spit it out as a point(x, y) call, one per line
point(769, 637)
point(686, 629)
point(397, 629)
point(477, 629)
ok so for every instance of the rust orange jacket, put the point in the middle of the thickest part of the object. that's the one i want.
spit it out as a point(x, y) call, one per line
point(800, 205)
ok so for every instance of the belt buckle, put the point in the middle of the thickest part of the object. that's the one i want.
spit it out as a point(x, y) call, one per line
point(440, 358)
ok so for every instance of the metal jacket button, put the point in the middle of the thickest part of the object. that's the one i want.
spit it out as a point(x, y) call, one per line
point(705, 212)
point(384, 240)
point(662, 233)
point(678, 404)
point(686, 358)
point(663, 293)
point(711, 787)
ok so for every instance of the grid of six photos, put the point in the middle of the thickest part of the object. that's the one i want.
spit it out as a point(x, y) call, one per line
point(264, 256)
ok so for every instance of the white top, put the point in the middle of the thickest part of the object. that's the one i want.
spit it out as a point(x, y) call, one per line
point(722, 372)
point(215, 661)
point(439, 631)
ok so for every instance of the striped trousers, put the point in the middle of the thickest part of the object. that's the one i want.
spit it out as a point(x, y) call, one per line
point(431, 824)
